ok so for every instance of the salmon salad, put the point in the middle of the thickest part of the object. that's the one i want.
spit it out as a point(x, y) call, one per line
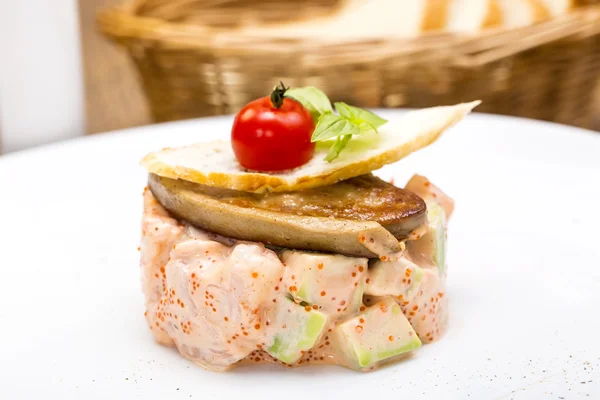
point(236, 268)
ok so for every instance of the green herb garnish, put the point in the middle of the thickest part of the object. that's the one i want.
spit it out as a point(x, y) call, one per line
point(291, 298)
point(342, 126)
point(311, 98)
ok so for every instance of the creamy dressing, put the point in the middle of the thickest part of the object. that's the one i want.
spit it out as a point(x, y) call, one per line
point(219, 300)
point(387, 250)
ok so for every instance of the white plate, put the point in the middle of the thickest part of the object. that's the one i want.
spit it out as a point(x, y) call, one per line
point(524, 275)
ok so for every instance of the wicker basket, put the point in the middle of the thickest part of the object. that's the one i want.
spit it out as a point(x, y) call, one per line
point(192, 67)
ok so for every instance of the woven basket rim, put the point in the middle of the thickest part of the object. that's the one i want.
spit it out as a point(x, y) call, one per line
point(121, 24)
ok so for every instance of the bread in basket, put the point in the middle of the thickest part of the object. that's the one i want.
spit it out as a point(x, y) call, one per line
point(531, 58)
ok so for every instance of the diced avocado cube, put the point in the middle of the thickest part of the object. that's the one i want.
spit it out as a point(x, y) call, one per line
point(297, 329)
point(380, 332)
point(400, 278)
point(432, 245)
point(437, 230)
point(332, 281)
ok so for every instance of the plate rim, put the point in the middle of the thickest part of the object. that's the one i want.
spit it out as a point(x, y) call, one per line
point(158, 126)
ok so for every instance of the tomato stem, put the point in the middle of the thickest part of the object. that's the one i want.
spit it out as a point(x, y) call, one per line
point(278, 95)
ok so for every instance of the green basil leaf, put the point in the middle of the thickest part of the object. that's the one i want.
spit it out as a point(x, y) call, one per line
point(365, 127)
point(324, 123)
point(359, 115)
point(337, 148)
point(330, 125)
point(350, 121)
point(311, 98)
point(344, 110)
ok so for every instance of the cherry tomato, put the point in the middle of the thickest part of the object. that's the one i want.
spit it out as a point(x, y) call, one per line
point(273, 133)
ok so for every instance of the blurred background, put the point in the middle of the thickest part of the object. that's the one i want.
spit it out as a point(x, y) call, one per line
point(71, 68)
